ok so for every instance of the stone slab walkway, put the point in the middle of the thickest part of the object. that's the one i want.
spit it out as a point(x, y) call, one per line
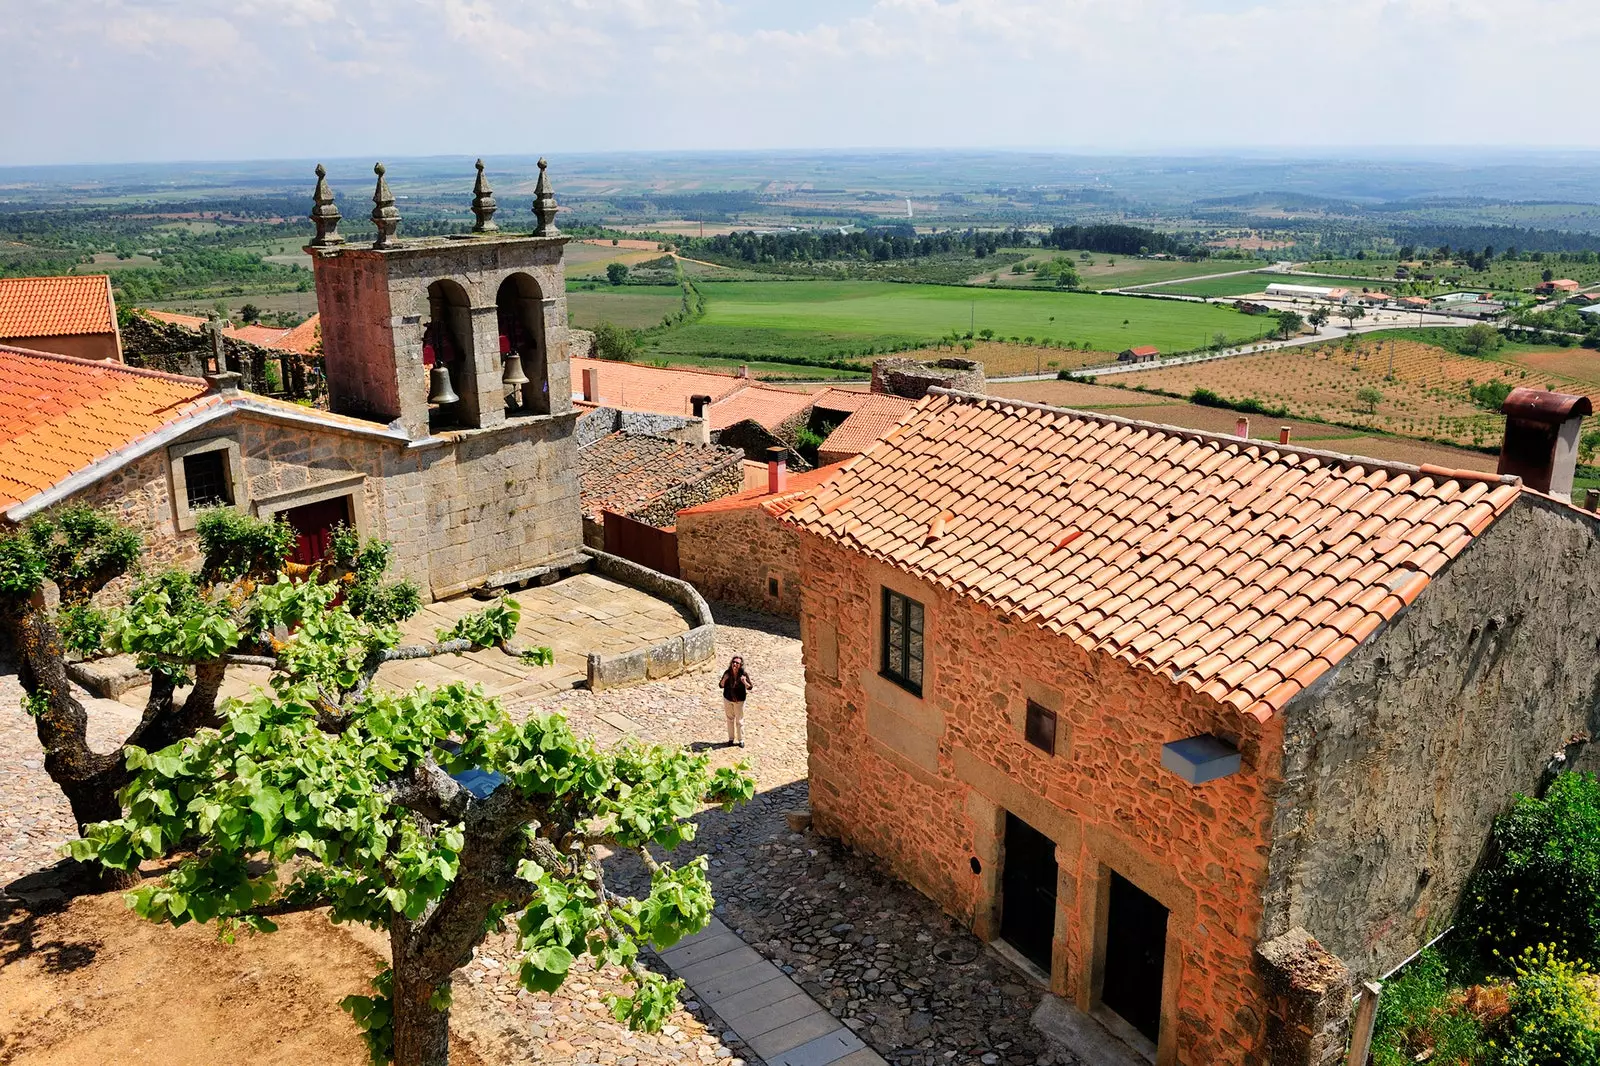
point(771, 1014)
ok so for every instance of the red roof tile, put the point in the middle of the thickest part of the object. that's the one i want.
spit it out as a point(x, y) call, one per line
point(266, 336)
point(1240, 569)
point(56, 307)
point(870, 420)
point(667, 390)
point(59, 414)
point(800, 487)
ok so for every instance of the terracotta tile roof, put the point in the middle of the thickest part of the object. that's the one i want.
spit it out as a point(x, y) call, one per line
point(56, 307)
point(58, 414)
point(800, 487)
point(303, 337)
point(172, 318)
point(1144, 349)
point(626, 472)
point(870, 421)
point(1240, 569)
point(759, 403)
point(845, 400)
point(266, 336)
point(667, 390)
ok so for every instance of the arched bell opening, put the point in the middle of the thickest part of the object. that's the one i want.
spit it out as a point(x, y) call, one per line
point(525, 363)
point(447, 353)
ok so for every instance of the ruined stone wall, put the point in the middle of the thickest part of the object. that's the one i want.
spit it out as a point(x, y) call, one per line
point(175, 349)
point(1397, 762)
point(925, 784)
point(602, 421)
point(456, 511)
point(912, 378)
point(731, 556)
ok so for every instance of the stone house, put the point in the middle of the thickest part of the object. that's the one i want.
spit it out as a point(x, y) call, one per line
point(734, 406)
point(73, 314)
point(450, 431)
point(857, 418)
point(735, 550)
point(1144, 353)
point(648, 479)
point(1179, 719)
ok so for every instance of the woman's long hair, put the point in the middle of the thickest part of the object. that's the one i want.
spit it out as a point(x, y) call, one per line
point(731, 668)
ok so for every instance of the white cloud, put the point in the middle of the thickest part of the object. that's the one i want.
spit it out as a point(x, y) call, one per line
point(131, 79)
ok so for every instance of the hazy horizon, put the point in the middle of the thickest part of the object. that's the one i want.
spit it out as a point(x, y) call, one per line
point(152, 81)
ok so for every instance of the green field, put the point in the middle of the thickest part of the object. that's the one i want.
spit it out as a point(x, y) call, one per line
point(823, 319)
point(633, 306)
point(1104, 271)
point(1235, 285)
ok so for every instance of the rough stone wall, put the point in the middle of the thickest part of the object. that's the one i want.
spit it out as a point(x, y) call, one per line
point(175, 349)
point(663, 510)
point(1308, 1022)
point(456, 511)
point(731, 555)
point(754, 439)
point(602, 421)
point(1396, 763)
point(912, 378)
point(924, 784)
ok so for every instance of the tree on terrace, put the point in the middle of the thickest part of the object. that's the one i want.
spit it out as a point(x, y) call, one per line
point(188, 628)
point(1318, 318)
point(289, 808)
point(1289, 324)
point(1352, 313)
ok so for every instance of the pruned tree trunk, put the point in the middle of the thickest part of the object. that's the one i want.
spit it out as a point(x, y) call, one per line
point(421, 1032)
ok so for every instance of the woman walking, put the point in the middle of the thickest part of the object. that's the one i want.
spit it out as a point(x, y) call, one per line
point(736, 685)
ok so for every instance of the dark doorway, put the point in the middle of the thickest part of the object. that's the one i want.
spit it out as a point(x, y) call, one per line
point(1028, 892)
point(1136, 951)
point(314, 524)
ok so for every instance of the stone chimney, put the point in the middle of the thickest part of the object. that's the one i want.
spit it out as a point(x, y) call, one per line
point(591, 384)
point(777, 470)
point(744, 370)
point(702, 411)
point(1541, 441)
point(1241, 428)
point(223, 382)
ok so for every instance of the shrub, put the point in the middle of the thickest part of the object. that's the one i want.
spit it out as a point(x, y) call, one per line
point(1490, 395)
point(1554, 1019)
point(1543, 884)
point(615, 342)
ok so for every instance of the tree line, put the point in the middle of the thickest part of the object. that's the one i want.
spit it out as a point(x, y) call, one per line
point(884, 243)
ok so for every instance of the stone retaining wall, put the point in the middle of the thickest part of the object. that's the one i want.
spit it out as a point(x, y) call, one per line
point(664, 658)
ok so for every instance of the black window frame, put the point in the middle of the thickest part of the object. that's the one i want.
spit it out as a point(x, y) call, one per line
point(1034, 720)
point(224, 480)
point(898, 664)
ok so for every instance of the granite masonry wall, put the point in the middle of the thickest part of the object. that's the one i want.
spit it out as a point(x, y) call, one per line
point(925, 784)
point(457, 508)
point(1397, 762)
point(734, 555)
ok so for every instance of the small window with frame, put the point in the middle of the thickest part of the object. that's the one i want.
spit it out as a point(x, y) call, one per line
point(1040, 728)
point(902, 641)
point(206, 479)
point(772, 587)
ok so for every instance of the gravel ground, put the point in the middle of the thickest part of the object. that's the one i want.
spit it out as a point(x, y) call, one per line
point(910, 980)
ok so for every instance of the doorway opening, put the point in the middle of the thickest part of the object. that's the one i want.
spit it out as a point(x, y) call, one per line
point(1028, 892)
point(1136, 952)
point(313, 525)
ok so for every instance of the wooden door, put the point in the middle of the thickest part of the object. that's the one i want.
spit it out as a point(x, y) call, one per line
point(1028, 892)
point(313, 523)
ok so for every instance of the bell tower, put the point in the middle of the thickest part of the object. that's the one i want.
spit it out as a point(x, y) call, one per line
point(443, 335)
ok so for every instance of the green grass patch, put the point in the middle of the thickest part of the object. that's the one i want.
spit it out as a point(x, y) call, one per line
point(632, 306)
point(826, 320)
point(1234, 285)
point(1104, 271)
point(766, 371)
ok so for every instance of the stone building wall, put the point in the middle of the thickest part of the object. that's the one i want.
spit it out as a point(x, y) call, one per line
point(456, 509)
point(925, 784)
point(100, 346)
point(1397, 762)
point(733, 555)
point(663, 510)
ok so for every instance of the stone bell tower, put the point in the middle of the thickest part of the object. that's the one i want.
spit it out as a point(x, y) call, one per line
point(443, 335)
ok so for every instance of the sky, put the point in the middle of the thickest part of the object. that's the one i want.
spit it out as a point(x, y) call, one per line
point(156, 80)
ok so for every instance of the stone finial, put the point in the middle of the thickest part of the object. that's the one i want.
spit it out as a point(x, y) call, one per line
point(324, 213)
point(385, 215)
point(483, 205)
point(544, 204)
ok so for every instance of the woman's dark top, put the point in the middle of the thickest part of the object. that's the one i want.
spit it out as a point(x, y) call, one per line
point(736, 686)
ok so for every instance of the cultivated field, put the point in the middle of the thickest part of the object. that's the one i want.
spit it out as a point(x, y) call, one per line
point(632, 306)
point(1422, 390)
point(827, 319)
point(1103, 271)
point(1234, 285)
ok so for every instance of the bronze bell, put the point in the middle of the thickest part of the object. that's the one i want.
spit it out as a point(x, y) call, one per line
point(441, 393)
point(513, 375)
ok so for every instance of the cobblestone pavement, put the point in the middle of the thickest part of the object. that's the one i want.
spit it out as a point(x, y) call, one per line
point(915, 986)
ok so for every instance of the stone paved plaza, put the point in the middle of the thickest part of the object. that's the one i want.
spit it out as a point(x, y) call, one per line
point(886, 963)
